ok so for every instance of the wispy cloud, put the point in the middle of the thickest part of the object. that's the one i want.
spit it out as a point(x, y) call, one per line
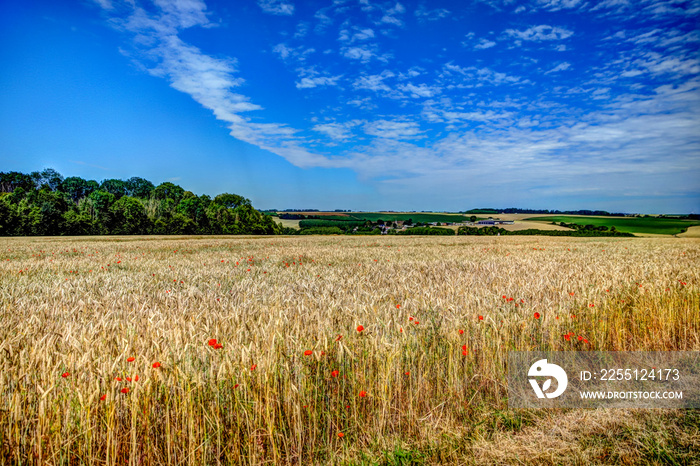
point(387, 129)
point(277, 7)
point(542, 32)
point(424, 14)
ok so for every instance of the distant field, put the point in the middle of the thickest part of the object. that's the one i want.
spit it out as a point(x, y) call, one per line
point(416, 217)
point(423, 217)
point(648, 225)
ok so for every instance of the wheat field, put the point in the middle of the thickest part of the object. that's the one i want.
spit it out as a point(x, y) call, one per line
point(329, 350)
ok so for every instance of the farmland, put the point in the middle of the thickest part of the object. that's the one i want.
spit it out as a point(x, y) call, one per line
point(423, 217)
point(642, 225)
point(345, 350)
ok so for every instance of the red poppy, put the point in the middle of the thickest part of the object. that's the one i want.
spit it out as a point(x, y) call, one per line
point(585, 341)
point(338, 338)
point(537, 315)
point(218, 346)
point(65, 374)
point(363, 394)
point(103, 397)
point(128, 379)
point(398, 306)
point(212, 342)
point(461, 332)
point(341, 435)
point(504, 296)
point(125, 390)
point(136, 378)
point(580, 338)
point(235, 386)
point(308, 352)
point(118, 379)
point(464, 347)
point(131, 359)
point(481, 317)
point(335, 373)
point(567, 337)
point(156, 365)
point(406, 373)
point(360, 328)
point(252, 368)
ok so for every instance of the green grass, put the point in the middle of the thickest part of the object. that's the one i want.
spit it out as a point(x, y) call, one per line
point(655, 225)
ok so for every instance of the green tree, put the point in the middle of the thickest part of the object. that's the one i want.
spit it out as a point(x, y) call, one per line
point(139, 187)
point(116, 187)
point(78, 188)
point(128, 217)
point(168, 190)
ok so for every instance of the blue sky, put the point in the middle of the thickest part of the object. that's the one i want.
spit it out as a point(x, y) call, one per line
point(363, 105)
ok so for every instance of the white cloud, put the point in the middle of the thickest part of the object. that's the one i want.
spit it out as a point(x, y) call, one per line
point(374, 82)
point(355, 34)
point(422, 13)
point(307, 82)
point(560, 67)
point(419, 91)
point(337, 131)
point(484, 44)
point(390, 15)
point(540, 33)
point(393, 129)
point(277, 7)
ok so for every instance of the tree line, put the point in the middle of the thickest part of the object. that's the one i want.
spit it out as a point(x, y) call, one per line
point(45, 203)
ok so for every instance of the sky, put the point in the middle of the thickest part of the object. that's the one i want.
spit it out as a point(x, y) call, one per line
point(362, 104)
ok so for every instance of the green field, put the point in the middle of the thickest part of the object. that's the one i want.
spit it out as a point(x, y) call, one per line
point(653, 225)
point(415, 216)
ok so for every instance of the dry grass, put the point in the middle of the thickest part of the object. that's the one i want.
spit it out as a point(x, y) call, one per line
point(85, 305)
point(693, 232)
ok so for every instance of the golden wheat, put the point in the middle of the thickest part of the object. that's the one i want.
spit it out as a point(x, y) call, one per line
point(74, 310)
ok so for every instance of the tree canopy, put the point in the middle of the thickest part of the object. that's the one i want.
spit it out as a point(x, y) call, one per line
point(46, 203)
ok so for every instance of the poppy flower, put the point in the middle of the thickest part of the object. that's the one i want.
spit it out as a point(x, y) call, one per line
point(504, 296)
point(308, 352)
point(567, 337)
point(131, 359)
point(235, 386)
point(537, 315)
point(363, 394)
point(341, 435)
point(481, 317)
point(406, 373)
point(118, 379)
point(461, 332)
point(335, 373)
point(156, 365)
point(252, 368)
point(360, 328)
point(338, 338)
point(128, 379)
point(125, 390)
point(136, 378)
point(398, 306)
point(212, 342)
point(218, 346)
point(65, 374)
point(580, 338)
point(103, 397)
